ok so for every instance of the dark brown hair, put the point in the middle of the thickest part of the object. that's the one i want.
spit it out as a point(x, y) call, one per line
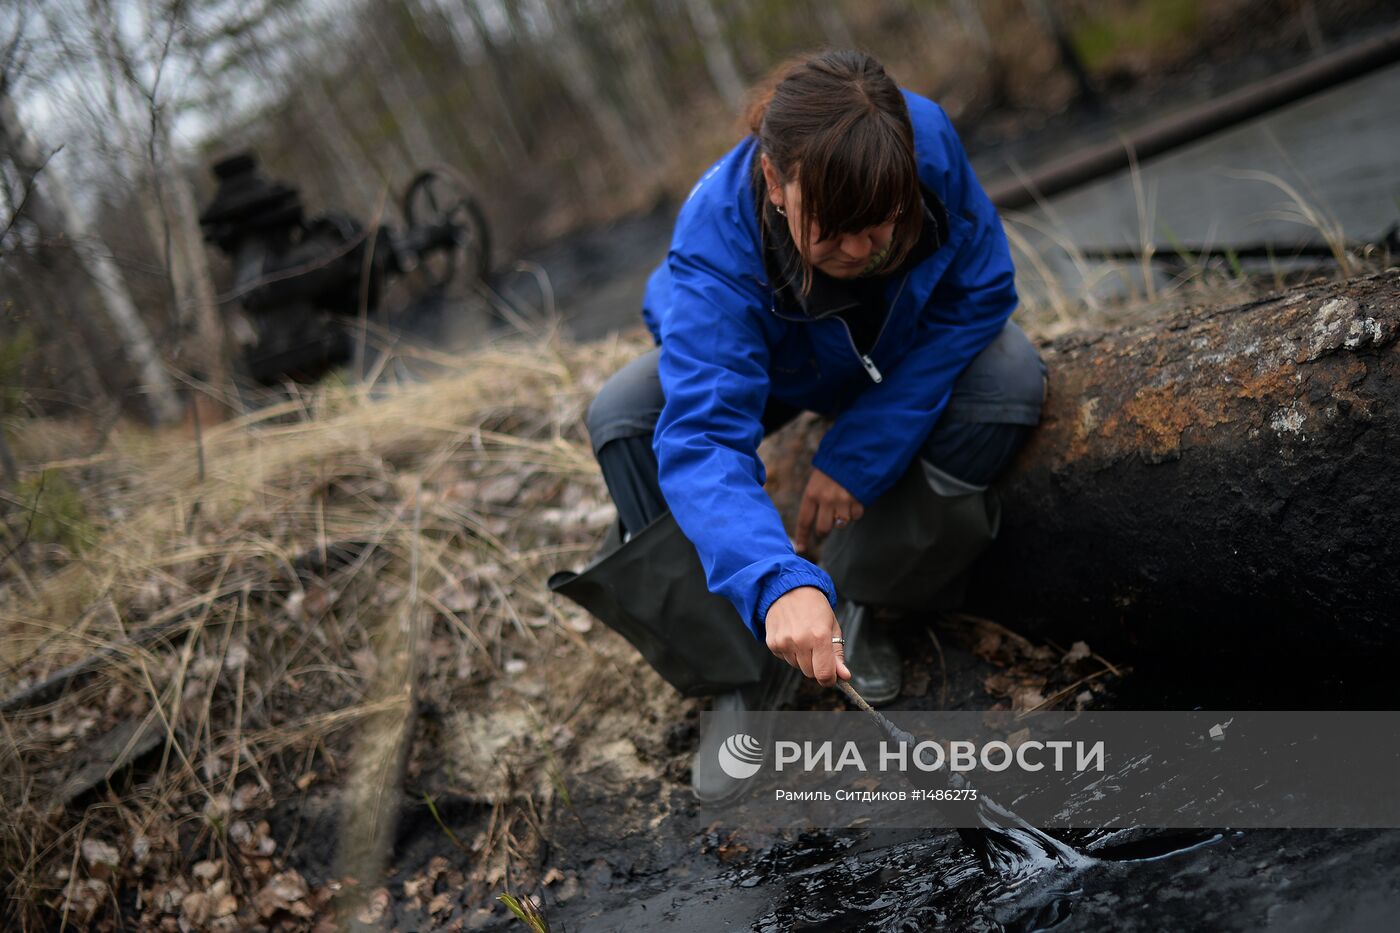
point(838, 124)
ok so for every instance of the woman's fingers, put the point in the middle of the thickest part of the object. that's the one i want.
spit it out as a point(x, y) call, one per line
point(806, 515)
point(801, 627)
point(839, 651)
point(826, 519)
point(824, 664)
point(826, 505)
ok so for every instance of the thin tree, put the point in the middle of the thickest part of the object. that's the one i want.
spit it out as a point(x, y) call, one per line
point(171, 213)
point(50, 208)
point(719, 59)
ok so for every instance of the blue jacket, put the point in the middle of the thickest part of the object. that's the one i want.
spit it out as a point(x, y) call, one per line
point(726, 346)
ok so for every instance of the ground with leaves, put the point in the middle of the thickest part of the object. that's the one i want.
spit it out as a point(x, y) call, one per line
point(301, 671)
point(319, 677)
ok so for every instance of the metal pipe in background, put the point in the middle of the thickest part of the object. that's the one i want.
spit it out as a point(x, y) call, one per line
point(1197, 122)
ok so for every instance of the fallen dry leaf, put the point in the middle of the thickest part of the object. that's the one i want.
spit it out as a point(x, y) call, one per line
point(375, 906)
point(207, 871)
point(286, 891)
point(237, 657)
point(246, 797)
point(195, 908)
point(82, 897)
point(1026, 698)
point(98, 853)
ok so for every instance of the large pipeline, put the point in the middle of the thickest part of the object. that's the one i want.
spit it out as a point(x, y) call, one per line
point(1221, 474)
point(1198, 122)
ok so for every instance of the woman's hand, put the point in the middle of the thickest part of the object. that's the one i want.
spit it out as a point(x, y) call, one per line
point(801, 627)
point(825, 505)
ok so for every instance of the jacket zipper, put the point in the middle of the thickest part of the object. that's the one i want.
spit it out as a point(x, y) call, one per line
point(866, 362)
point(871, 369)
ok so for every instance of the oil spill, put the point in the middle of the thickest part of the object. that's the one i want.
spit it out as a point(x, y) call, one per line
point(872, 882)
point(913, 880)
point(1151, 846)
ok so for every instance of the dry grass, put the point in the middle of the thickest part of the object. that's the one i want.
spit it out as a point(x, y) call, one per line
point(1062, 288)
point(346, 557)
point(270, 606)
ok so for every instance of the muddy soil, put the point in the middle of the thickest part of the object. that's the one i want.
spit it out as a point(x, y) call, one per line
point(630, 851)
point(634, 854)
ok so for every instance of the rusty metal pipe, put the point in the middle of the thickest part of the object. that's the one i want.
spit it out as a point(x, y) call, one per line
point(1198, 122)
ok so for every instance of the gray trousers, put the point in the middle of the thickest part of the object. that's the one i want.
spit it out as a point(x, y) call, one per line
point(995, 403)
point(909, 550)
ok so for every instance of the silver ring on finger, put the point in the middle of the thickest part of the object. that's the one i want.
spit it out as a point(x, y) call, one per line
point(841, 522)
point(838, 640)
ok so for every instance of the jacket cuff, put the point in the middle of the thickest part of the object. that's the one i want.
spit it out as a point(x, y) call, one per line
point(784, 583)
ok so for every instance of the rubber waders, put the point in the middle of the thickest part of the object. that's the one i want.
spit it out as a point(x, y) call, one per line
point(652, 591)
point(911, 550)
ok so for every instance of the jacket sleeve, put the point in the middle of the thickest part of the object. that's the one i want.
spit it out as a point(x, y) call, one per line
point(714, 371)
point(873, 441)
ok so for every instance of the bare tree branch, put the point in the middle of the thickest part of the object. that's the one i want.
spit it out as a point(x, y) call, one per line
point(26, 189)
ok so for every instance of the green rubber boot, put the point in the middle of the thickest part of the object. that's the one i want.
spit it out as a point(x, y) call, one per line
point(912, 548)
point(876, 667)
point(652, 591)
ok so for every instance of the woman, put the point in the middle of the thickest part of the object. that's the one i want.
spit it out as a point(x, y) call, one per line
point(841, 259)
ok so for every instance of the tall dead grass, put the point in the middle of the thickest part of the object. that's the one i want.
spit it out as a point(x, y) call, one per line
point(261, 617)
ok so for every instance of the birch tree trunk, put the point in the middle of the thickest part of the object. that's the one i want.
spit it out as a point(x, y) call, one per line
point(404, 110)
point(406, 26)
point(833, 25)
point(51, 209)
point(169, 208)
point(974, 25)
point(580, 78)
point(642, 75)
point(501, 83)
point(719, 59)
point(174, 222)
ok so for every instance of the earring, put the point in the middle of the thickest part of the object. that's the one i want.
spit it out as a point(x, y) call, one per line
point(780, 210)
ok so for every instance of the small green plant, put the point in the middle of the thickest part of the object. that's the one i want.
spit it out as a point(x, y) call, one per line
point(16, 350)
point(1145, 27)
point(1236, 268)
point(54, 512)
point(552, 766)
point(432, 808)
point(525, 911)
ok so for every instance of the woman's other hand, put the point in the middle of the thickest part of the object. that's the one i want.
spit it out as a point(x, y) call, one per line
point(825, 505)
point(801, 627)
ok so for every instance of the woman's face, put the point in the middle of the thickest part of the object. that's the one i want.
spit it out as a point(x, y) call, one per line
point(843, 256)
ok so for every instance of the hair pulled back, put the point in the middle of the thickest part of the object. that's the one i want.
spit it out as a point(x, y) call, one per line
point(838, 125)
